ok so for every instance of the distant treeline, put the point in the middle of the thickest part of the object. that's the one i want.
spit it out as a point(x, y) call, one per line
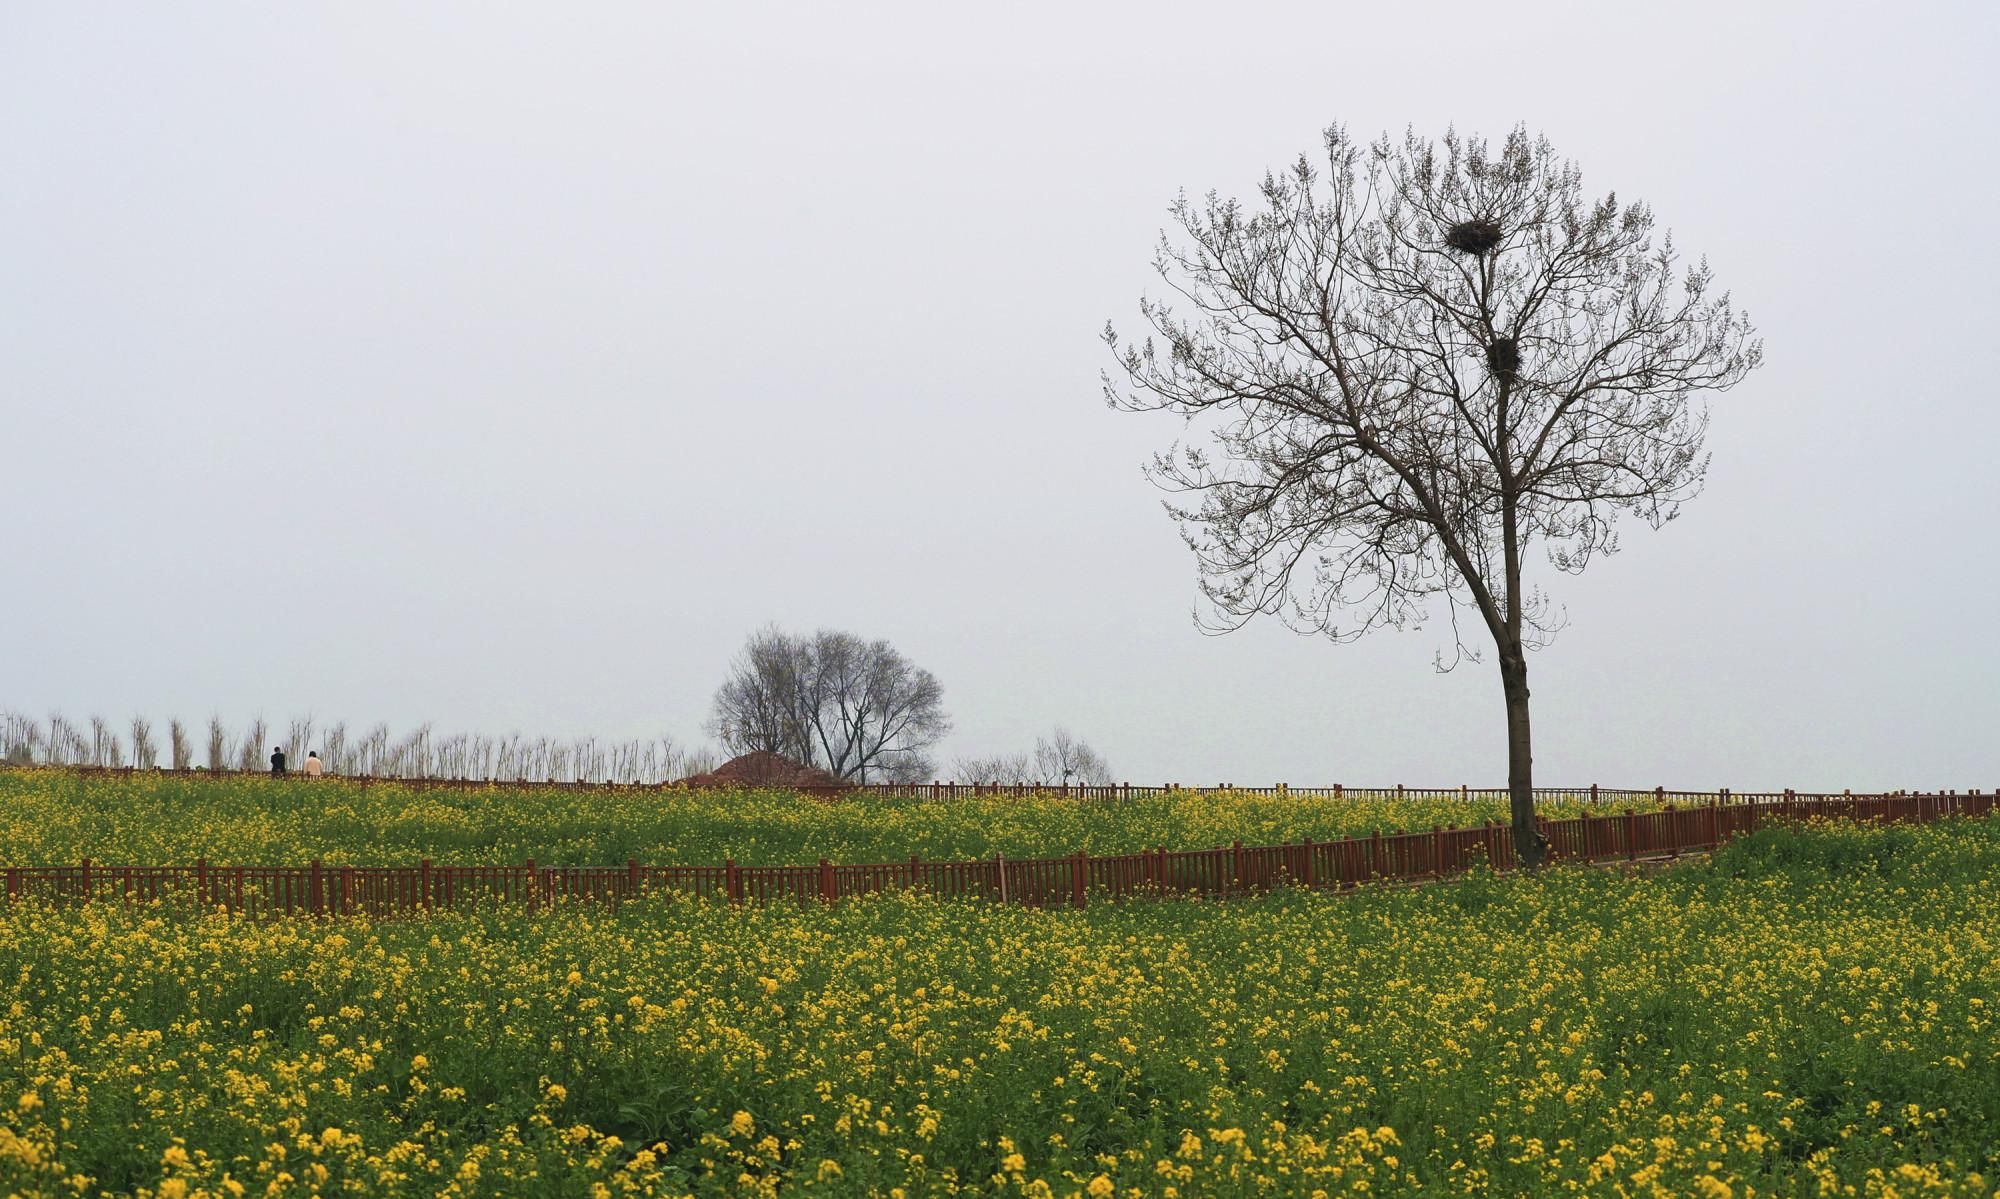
point(419, 753)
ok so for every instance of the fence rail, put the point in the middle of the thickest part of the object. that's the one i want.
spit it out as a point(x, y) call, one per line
point(947, 790)
point(1071, 880)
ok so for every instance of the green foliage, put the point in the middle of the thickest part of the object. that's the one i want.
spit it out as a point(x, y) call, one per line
point(59, 817)
point(1810, 1013)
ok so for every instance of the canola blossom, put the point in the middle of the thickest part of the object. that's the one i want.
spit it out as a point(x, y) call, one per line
point(1810, 1012)
point(56, 816)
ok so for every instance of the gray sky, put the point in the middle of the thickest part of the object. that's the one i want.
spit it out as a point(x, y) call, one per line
point(504, 367)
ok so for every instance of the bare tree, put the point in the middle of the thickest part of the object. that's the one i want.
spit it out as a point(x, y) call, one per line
point(1064, 758)
point(250, 754)
point(999, 768)
point(299, 741)
point(1410, 365)
point(219, 748)
point(832, 700)
point(145, 754)
point(105, 749)
point(179, 751)
point(335, 757)
point(422, 753)
point(761, 705)
point(20, 739)
point(66, 746)
point(1061, 758)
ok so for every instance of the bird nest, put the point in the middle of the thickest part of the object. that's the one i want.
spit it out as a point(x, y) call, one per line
point(1503, 357)
point(1477, 236)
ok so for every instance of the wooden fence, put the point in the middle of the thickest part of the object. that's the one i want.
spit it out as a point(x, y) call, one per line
point(940, 790)
point(1075, 879)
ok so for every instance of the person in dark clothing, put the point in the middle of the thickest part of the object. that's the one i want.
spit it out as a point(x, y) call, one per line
point(277, 761)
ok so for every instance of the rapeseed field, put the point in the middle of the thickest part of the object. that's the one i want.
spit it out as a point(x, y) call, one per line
point(55, 816)
point(1809, 1013)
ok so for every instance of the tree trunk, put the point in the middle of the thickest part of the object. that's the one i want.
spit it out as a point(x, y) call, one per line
point(1530, 846)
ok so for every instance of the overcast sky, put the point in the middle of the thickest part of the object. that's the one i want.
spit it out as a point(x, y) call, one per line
point(503, 367)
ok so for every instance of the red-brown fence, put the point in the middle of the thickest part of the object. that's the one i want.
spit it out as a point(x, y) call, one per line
point(1072, 880)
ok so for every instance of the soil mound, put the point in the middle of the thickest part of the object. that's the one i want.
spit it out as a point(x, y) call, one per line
point(762, 768)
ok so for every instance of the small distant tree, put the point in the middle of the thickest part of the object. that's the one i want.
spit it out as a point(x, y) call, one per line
point(335, 747)
point(179, 750)
point(1061, 758)
point(145, 754)
point(999, 768)
point(1405, 366)
point(105, 747)
point(298, 742)
point(1064, 758)
point(20, 739)
point(250, 754)
point(219, 750)
point(854, 707)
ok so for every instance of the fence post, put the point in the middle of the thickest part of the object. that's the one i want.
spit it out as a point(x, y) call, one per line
point(1673, 833)
point(316, 888)
point(1237, 862)
point(1660, 795)
point(1336, 791)
point(1307, 872)
point(201, 882)
point(1079, 867)
point(86, 880)
point(1631, 835)
point(534, 886)
point(1437, 852)
point(424, 884)
point(1375, 855)
point(1399, 790)
point(1593, 793)
point(631, 876)
point(826, 888)
point(347, 890)
point(732, 880)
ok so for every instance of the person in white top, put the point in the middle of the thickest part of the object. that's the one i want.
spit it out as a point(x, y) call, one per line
point(313, 767)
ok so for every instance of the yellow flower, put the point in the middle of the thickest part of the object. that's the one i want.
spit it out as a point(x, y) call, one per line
point(1101, 1186)
point(742, 1124)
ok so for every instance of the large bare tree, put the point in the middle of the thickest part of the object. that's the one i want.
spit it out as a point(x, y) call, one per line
point(832, 700)
point(1404, 366)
